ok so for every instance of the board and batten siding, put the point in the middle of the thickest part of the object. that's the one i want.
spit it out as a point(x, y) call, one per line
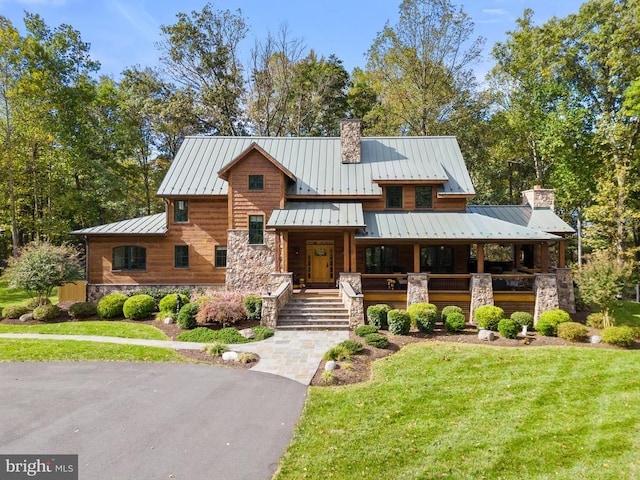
point(206, 228)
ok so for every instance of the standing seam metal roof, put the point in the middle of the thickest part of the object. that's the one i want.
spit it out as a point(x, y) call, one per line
point(541, 219)
point(149, 225)
point(318, 214)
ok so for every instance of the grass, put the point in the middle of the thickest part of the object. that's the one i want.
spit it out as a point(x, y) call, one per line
point(627, 313)
point(22, 350)
point(105, 328)
point(451, 411)
point(14, 295)
point(224, 335)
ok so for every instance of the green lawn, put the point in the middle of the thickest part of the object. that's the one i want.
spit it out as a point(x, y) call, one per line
point(106, 328)
point(451, 411)
point(627, 313)
point(58, 350)
point(14, 295)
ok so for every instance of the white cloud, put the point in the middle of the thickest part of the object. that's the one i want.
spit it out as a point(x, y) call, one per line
point(495, 11)
point(136, 15)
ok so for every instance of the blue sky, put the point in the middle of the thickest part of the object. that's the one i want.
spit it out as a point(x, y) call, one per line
point(123, 33)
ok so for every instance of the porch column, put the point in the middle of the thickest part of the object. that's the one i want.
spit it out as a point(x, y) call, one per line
point(278, 252)
point(416, 257)
point(417, 288)
point(480, 257)
point(481, 292)
point(544, 258)
point(562, 252)
point(347, 251)
point(545, 287)
point(352, 245)
point(566, 295)
point(516, 256)
point(285, 251)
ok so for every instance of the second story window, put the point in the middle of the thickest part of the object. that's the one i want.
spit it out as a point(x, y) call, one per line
point(256, 182)
point(181, 256)
point(256, 229)
point(424, 196)
point(393, 196)
point(180, 211)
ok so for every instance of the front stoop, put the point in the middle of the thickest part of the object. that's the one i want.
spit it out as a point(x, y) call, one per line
point(314, 311)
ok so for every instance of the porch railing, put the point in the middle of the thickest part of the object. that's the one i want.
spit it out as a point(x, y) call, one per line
point(449, 281)
point(512, 282)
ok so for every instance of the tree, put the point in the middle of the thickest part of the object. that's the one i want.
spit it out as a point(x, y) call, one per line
point(601, 281)
point(40, 267)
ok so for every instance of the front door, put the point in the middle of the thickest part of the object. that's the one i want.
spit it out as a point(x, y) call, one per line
point(320, 262)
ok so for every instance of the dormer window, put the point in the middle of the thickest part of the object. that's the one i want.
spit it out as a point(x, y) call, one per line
point(256, 182)
point(424, 196)
point(393, 196)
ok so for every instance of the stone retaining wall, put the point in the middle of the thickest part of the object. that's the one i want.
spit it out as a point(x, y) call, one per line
point(96, 291)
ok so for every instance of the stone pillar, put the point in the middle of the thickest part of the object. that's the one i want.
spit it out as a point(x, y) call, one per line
point(417, 288)
point(354, 302)
point(249, 266)
point(545, 287)
point(566, 295)
point(350, 149)
point(481, 292)
point(276, 297)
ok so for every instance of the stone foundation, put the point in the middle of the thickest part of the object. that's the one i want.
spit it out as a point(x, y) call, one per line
point(355, 302)
point(481, 292)
point(546, 290)
point(249, 266)
point(566, 295)
point(417, 288)
point(96, 291)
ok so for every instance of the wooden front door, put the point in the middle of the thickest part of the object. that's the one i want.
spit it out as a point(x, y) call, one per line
point(320, 262)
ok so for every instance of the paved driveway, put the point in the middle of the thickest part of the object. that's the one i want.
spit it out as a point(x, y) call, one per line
point(149, 421)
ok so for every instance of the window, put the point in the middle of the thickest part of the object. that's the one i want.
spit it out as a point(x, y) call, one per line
point(181, 256)
point(436, 259)
point(256, 182)
point(221, 256)
point(129, 258)
point(256, 229)
point(394, 196)
point(180, 211)
point(381, 259)
point(424, 196)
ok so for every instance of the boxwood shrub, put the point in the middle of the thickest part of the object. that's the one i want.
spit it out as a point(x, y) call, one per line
point(110, 306)
point(352, 346)
point(449, 309)
point(572, 331)
point(522, 319)
point(376, 340)
point(169, 302)
point(139, 307)
point(187, 316)
point(377, 315)
point(508, 328)
point(46, 313)
point(399, 322)
point(15, 310)
point(548, 323)
point(83, 310)
point(253, 306)
point(364, 330)
point(488, 317)
point(454, 322)
point(547, 328)
point(423, 316)
point(620, 336)
point(32, 303)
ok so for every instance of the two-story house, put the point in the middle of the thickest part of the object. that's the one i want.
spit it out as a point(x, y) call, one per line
point(389, 214)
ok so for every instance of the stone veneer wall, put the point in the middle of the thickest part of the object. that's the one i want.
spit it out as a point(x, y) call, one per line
point(481, 292)
point(350, 149)
point(545, 287)
point(417, 288)
point(271, 304)
point(566, 295)
point(539, 198)
point(355, 304)
point(249, 266)
point(96, 291)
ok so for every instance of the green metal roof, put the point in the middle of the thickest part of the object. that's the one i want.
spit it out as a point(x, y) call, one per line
point(149, 225)
point(445, 226)
point(316, 164)
point(318, 214)
point(541, 219)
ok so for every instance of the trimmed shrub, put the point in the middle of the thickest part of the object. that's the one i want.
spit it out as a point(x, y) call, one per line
point(224, 309)
point(253, 307)
point(399, 322)
point(454, 322)
point(139, 307)
point(377, 315)
point(169, 302)
point(364, 330)
point(262, 333)
point(339, 353)
point(508, 328)
point(619, 336)
point(449, 309)
point(159, 293)
point(557, 316)
point(572, 331)
point(596, 320)
point(376, 340)
point(488, 317)
point(522, 319)
point(187, 316)
point(424, 316)
point(352, 346)
point(46, 313)
point(110, 306)
point(635, 332)
point(15, 310)
point(83, 310)
point(547, 328)
point(216, 349)
point(32, 303)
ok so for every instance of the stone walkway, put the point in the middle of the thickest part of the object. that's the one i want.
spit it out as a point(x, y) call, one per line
point(293, 354)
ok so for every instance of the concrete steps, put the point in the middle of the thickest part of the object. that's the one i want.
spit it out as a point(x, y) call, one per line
point(317, 311)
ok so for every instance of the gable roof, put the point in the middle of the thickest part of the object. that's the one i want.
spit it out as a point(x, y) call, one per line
point(318, 214)
point(541, 219)
point(149, 225)
point(224, 172)
point(315, 163)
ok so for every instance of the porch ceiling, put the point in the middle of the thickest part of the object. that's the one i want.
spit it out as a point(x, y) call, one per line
point(445, 226)
point(318, 214)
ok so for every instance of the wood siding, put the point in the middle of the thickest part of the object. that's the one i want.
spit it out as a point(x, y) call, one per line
point(244, 202)
point(206, 228)
point(298, 242)
point(409, 202)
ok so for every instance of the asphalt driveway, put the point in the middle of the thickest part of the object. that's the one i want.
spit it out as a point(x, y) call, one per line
point(149, 421)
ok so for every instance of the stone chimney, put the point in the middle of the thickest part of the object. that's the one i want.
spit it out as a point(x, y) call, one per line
point(539, 197)
point(350, 140)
